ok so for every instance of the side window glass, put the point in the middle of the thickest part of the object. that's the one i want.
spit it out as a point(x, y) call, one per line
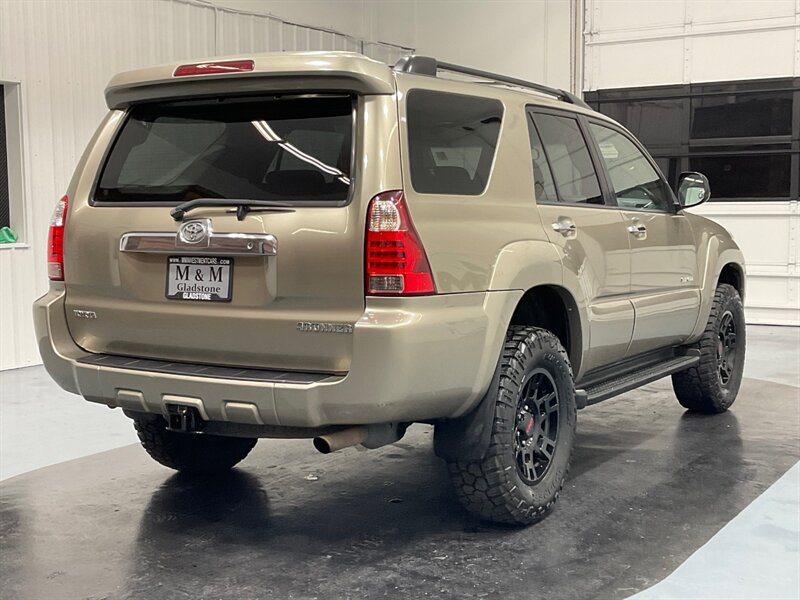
point(569, 159)
point(636, 183)
point(543, 186)
point(452, 141)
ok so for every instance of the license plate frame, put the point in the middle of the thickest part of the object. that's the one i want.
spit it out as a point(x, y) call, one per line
point(203, 278)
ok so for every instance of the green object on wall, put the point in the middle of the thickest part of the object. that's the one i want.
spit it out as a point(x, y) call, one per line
point(7, 235)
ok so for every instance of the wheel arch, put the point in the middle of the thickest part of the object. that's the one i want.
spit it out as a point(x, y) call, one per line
point(733, 274)
point(547, 306)
point(553, 307)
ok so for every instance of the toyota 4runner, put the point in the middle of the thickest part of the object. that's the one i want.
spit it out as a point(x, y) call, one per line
point(317, 245)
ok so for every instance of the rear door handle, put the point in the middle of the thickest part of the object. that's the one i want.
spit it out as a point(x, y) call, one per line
point(564, 226)
point(637, 229)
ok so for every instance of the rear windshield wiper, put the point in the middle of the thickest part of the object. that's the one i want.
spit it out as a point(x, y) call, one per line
point(243, 206)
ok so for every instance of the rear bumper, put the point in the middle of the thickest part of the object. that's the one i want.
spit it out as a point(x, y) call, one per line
point(414, 359)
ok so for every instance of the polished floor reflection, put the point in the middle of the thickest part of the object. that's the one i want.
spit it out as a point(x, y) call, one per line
point(649, 485)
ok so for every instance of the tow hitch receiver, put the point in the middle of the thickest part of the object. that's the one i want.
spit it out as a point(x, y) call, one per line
point(184, 418)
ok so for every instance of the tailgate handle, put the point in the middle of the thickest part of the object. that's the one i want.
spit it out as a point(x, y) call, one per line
point(227, 244)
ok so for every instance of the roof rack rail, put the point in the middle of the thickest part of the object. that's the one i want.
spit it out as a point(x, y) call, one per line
point(427, 65)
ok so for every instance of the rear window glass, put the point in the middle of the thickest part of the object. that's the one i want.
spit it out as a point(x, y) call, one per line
point(287, 149)
point(452, 141)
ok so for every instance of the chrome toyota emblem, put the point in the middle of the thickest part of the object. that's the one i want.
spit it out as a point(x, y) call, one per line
point(193, 232)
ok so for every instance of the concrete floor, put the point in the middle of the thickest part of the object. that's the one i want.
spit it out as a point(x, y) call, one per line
point(41, 424)
point(651, 486)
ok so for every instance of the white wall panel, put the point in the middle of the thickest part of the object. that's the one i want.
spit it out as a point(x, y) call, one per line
point(716, 11)
point(525, 39)
point(351, 17)
point(767, 233)
point(618, 15)
point(63, 54)
point(742, 55)
point(636, 63)
point(689, 41)
point(238, 33)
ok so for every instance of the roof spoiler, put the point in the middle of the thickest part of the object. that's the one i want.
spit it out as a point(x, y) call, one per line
point(283, 72)
point(427, 65)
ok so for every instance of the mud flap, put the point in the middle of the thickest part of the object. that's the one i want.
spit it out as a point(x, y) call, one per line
point(467, 438)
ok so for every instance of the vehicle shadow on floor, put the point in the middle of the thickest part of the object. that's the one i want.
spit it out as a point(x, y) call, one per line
point(385, 509)
point(403, 492)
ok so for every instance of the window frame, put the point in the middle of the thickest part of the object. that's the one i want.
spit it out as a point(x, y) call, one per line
point(609, 200)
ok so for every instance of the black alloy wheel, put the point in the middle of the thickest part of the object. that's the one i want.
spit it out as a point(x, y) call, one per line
point(521, 473)
point(536, 426)
point(726, 348)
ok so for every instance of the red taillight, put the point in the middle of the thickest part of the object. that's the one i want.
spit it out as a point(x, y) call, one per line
point(211, 68)
point(396, 264)
point(55, 241)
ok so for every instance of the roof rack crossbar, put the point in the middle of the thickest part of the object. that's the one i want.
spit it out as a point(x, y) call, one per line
point(426, 65)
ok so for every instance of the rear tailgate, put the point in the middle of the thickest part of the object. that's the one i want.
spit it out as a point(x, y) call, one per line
point(291, 307)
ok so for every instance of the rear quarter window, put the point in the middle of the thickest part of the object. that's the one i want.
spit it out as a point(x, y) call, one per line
point(452, 140)
point(272, 148)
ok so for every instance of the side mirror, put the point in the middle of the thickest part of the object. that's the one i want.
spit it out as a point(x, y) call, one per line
point(693, 189)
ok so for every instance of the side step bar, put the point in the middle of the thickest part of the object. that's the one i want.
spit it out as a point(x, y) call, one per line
point(603, 390)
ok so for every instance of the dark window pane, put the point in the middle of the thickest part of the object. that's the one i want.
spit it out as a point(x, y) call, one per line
point(569, 159)
point(452, 140)
point(742, 115)
point(653, 122)
point(293, 149)
point(544, 188)
point(754, 176)
point(636, 183)
point(5, 219)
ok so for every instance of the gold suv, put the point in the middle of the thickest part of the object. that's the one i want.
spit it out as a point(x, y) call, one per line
point(318, 245)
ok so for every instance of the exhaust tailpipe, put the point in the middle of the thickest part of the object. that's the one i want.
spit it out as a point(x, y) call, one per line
point(340, 439)
point(369, 436)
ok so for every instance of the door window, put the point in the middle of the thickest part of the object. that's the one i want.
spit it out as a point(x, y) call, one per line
point(543, 187)
point(569, 159)
point(636, 183)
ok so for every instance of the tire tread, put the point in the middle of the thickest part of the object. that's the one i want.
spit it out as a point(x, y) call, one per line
point(698, 388)
point(484, 486)
point(187, 452)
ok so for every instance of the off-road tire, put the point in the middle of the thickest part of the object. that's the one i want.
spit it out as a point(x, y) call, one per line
point(189, 452)
point(700, 388)
point(493, 487)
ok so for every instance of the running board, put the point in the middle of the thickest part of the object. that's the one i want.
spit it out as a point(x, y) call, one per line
point(603, 390)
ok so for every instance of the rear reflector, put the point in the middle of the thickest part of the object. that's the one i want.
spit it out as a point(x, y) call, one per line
point(396, 264)
point(55, 241)
point(212, 68)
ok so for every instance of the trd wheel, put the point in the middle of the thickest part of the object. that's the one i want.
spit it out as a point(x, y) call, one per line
point(523, 471)
point(189, 452)
point(712, 385)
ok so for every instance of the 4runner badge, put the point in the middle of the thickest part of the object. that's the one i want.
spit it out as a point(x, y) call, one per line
point(307, 326)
